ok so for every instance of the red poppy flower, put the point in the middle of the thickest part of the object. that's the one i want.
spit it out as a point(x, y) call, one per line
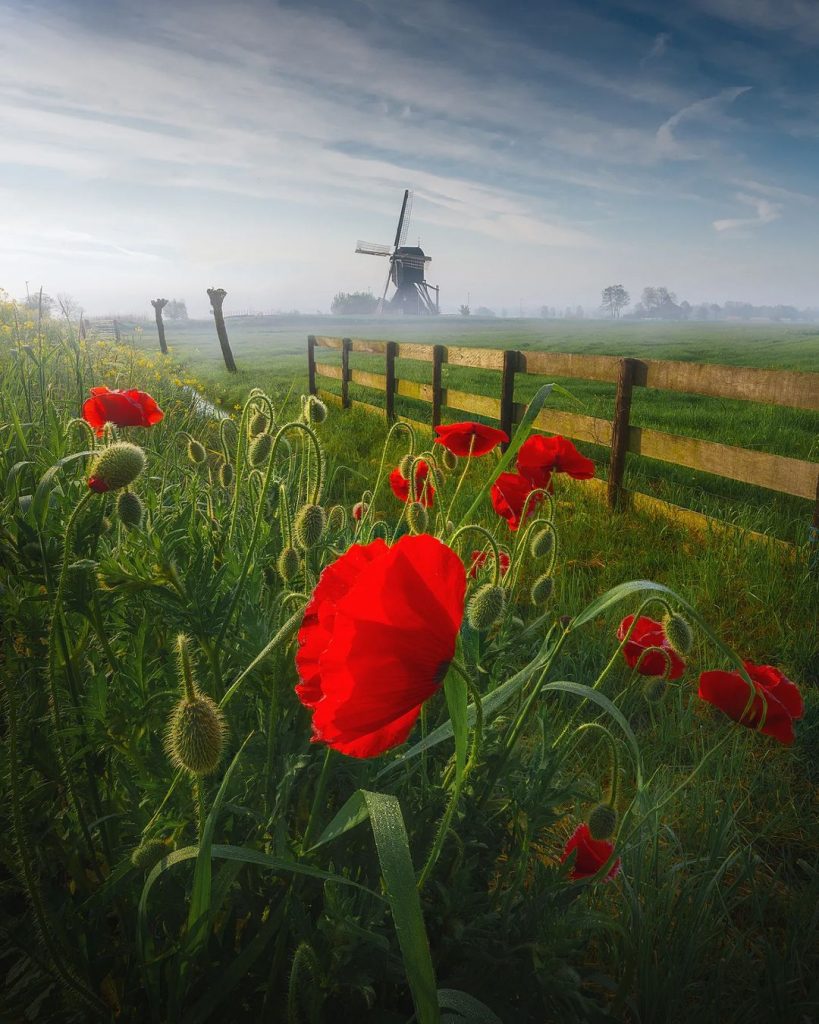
point(423, 493)
point(509, 493)
point(376, 641)
point(540, 456)
point(648, 633)
point(592, 854)
point(776, 701)
point(480, 559)
point(123, 408)
point(469, 438)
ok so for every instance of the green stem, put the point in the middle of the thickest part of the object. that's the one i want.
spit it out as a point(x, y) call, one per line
point(318, 797)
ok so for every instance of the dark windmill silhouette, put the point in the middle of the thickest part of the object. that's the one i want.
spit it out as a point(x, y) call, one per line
point(407, 262)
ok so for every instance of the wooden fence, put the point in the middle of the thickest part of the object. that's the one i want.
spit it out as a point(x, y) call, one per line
point(794, 389)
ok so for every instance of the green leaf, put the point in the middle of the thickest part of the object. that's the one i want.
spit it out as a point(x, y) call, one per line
point(353, 813)
point(456, 702)
point(466, 1008)
point(39, 504)
point(620, 593)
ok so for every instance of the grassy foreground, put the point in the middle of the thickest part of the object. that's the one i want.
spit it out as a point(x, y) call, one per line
point(712, 915)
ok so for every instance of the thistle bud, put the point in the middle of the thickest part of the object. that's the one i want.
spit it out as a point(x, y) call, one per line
point(196, 452)
point(417, 517)
point(226, 474)
point(542, 543)
point(260, 448)
point(602, 821)
point(679, 633)
point(360, 509)
point(449, 459)
point(405, 466)
point(309, 525)
point(486, 606)
point(542, 589)
point(116, 466)
point(148, 853)
point(288, 564)
point(196, 735)
point(654, 689)
point(129, 510)
point(316, 410)
point(257, 425)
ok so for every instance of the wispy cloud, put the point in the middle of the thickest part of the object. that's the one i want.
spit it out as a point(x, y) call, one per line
point(766, 212)
point(658, 47)
point(708, 110)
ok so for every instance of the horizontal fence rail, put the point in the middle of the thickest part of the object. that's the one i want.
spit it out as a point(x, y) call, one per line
point(794, 389)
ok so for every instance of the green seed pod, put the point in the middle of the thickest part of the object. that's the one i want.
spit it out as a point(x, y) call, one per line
point(486, 606)
point(116, 466)
point(405, 466)
point(654, 689)
point(260, 448)
point(149, 853)
point(316, 410)
point(257, 425)
point(542, 543)
point(449, 459)
point(602, 821)
point(129, 510)
point(309, 525)
point(288, 564)
point(417, 517)
point(196, 452)
point(542, 589)
point(679, 633)
point(196, 735)
point(226, 474)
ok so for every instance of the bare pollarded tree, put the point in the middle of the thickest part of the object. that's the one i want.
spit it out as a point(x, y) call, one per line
point(217, 297)
point(159, 305)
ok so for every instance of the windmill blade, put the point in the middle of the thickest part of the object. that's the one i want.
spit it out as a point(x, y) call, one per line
point(372, 248)
point(401, 219)
point(386, 285)
point(408, 196)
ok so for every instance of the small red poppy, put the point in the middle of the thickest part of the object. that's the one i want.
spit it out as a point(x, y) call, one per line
point(776, 701)
point(481, 558)
point(648, 633)
point(592, 854)
point(508, 495)
point(540, 456)
point(123, 408)
point(376, 641)
point(424, 491)
point(469, 438)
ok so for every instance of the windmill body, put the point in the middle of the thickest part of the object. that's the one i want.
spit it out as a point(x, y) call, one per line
point(413, 295)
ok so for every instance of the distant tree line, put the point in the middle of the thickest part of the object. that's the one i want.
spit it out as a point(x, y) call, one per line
point(353, 303)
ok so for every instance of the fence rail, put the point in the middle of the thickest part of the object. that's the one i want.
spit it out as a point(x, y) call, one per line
point(794, 389)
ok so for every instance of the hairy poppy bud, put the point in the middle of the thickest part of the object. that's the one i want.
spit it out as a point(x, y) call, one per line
point(148, 853)
point(405, 466)
point(542, 589)
point(116, 466)
point(337, 519)
point(196, 735)
point(542, 543)
point(226, 474)
point(417, 517)
point(679, 633)
point(602, 821)
point(309, 525)
point(196, 452)
point(486, 606)
point(260, 448)
point(316, 410)
point(437, 476)
point(654, 689)
point(288, 564)
point(360, 509)
point(257, 425)
point(449, 459)
point(450, 527)
point(129, 509)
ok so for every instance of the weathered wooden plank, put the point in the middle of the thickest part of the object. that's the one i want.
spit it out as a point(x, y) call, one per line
point(566, 364)
point(369, 380)
point(774, 472)
point(570, 424)
point(423, 427)
point(479, 404)
point(794, 388)
point(328, 370)
point(414, 389)
point(479, 358)
point(377, 348)
point(421, 352)
point(324, 342)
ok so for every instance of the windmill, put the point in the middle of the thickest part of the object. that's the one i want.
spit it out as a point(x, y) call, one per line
point(407, 262)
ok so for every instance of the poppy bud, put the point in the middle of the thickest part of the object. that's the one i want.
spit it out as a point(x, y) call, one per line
point(226, 474)
point(129, 510)
point(360, 509)
point(196, 735)
point(437, 476)
point(196, 452)
point(405, 466)
point(309, 525)
point(316, 410)
point(258, 424)
point(337, 519)
point(450, 527)
point(417, 517)
point(148, 853)
point(449, 459)
point(654, 689)
point(485, 607)
point(679, 633)
point(602, 821)
point(288, 564)
point(260, 448)
point(542, 589)
point(116, 466)
point(542, 543)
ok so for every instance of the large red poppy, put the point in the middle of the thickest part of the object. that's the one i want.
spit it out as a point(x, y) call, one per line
point(508, 495)
point(592, 854)
point(376, 641)
point(540, 456)
point(648, 633)
point(123, 408)
point(469, 438)
point(776, 701)
point(401, 488)
point(481, 558)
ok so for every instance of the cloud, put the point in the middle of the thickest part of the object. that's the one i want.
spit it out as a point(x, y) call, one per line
point(797, 17)
point(658, 47)
point(708, 110)
point(766, 212)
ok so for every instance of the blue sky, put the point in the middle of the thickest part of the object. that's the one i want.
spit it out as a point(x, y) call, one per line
point(553, 148)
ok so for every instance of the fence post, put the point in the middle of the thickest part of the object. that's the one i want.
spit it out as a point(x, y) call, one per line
point(438, 356)
point(159, 305)
point(346, 345)
point(116, 331)
point(511, 361)
point(311, 363)
point(389, 402)
point(619, 432)
point(217, 297)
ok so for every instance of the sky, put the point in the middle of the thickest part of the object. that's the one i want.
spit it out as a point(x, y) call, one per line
point(553, 148)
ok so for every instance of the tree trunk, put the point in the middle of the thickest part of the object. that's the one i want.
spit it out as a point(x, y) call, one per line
point(159, 305)
point(217, 297)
